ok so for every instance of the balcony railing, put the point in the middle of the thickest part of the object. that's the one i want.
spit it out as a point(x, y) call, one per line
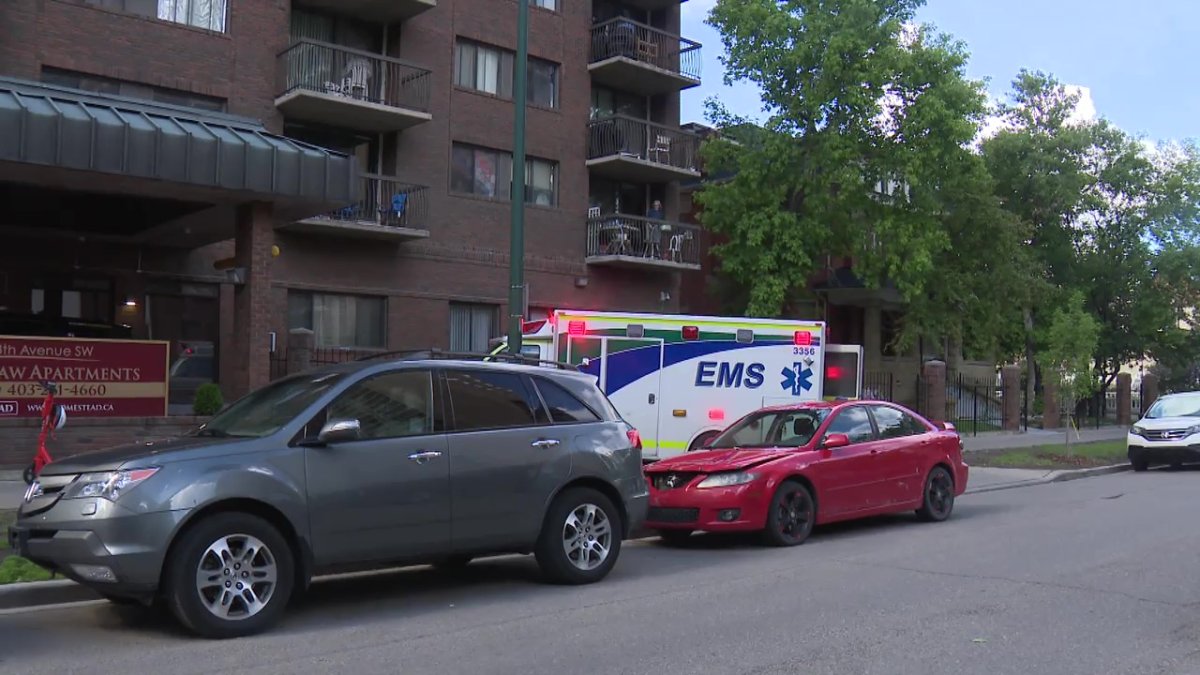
point(621, 238)
point(385, 202)
point(325, 68)
point(632, 138)
point(622, 37)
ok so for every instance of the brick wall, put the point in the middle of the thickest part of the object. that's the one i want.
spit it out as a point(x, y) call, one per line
point(238, 65)
point(82, 435)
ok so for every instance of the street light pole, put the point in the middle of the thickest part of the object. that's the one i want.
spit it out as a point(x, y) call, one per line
point(516, 254)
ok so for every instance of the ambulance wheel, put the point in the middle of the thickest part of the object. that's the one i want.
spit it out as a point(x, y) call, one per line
point(702, 440)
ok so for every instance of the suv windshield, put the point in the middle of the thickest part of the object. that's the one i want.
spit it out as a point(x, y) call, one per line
point(267, 410)
point(1175, 406)
point(772, 429)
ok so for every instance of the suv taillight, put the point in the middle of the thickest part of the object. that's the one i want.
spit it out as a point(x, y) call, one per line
point(635, 439)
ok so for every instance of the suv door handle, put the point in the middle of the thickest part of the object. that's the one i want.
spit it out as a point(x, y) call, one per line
point(544, 443)
point(422, 457)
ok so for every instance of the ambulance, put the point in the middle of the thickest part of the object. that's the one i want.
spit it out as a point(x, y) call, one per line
point(681, 380)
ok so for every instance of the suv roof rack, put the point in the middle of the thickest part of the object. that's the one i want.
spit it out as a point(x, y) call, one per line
point(422, 354)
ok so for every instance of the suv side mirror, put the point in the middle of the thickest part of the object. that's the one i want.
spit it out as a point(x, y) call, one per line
point(340, 431)
point(833, 441)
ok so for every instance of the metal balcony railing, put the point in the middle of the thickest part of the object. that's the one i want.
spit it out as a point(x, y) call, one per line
point(325, 68)
point(655, 241)
point(645, 44)
point(387, 202)
point(631, 137)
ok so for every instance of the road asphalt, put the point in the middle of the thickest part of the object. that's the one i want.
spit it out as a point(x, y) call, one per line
point(1088, 576)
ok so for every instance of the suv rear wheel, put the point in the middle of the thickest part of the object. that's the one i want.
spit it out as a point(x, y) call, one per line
point(581, 537)
point(231, 575)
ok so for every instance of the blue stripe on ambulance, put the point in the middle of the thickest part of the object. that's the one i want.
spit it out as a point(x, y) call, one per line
point(631, 365)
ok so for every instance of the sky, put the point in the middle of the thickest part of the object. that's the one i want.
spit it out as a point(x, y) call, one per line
point(1134, 61)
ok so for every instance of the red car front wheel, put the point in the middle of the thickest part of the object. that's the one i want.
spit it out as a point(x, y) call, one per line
point(792, 514)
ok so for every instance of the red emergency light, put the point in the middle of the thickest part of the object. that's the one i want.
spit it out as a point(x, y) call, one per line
point(691, 332)
point(716, 414)
point(802, 338)
point(576, 327)
point(833, 372)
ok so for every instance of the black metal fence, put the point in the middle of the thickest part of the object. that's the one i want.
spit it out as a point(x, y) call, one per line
point(320, 356)
point(973, 404)
point(334, 70)
point(387, 202)
point(618, 234)
point(630, 137)
point(623, 37)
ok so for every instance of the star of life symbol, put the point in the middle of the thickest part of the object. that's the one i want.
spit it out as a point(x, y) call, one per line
point(797, 379)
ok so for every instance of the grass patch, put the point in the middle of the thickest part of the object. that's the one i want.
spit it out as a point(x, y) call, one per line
point(15, 569)
point(1077, 456)
point(968, 425)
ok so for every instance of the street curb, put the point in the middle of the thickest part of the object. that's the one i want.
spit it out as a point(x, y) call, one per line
point(1054, 477)
point(37, 593)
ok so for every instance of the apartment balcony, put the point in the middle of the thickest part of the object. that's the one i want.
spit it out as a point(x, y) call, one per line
point(352, 89)
point(376, 11)
point(636, 151)
point(634, 242)
point(637, 58)
point(386, 210)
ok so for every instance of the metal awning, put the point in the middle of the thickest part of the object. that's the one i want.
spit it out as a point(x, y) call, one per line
point(59, 128)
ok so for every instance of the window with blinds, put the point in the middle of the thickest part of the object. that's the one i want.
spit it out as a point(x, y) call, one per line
point(472, 325)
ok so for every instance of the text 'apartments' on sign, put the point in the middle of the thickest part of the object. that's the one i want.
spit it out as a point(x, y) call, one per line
point(95, 378)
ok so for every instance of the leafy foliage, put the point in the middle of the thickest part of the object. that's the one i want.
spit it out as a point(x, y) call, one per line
point(1070, 342)
point(208, 401)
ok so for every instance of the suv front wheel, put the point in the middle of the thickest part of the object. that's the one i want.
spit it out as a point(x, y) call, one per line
point(230, 575)
point(581, 537)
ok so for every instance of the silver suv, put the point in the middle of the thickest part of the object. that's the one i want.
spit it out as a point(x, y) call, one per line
point(417, 459)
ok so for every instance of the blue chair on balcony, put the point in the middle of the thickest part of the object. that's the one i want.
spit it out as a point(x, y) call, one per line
point(397, 214)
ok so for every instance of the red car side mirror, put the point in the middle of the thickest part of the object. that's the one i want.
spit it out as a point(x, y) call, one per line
point(833, 441)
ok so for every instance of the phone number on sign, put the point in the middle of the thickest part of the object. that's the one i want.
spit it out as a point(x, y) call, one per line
point(26, 390)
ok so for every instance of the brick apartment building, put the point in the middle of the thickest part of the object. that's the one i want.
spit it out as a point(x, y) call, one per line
point(222, 171)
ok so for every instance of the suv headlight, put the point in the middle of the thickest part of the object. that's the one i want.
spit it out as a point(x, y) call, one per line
point(1137, 431)
point(108, 485)
point(727, 479)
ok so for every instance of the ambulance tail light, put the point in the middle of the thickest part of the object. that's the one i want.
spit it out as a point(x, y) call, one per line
point(635, 439)
point(802, 338)
point(716, 414)
point(691, 332)
point(833, 373)
point(576, 327)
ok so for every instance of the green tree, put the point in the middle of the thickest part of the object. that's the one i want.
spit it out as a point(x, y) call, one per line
point(870, 119)
point(1069, 343)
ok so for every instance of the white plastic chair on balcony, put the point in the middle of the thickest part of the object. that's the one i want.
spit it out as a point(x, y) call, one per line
point(357, 78)
point(661, 149)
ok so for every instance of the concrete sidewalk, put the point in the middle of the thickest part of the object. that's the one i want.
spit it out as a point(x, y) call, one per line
point(990, 479)
point(1009, 440)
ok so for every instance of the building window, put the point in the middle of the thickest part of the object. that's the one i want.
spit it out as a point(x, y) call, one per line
point(488, 173)
point(471, 326)
point(551, 5)
point(206, 14)
point(490, 70)
point(338, 320)
point(107, 85)
point(543, 83)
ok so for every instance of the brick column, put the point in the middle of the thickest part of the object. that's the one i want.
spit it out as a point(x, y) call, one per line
point(1124, 398)
point(252, 299)
point(1051, 413)
point(299, 350)
point(933, 380)
point(1010, 389)
point(1149, 391)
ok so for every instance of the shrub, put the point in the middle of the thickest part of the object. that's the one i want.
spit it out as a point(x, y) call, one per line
point(208, 400)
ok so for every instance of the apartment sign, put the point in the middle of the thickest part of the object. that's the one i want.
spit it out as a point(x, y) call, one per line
point(95, 378)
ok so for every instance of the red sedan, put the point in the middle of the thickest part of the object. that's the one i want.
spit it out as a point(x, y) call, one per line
point(782, 470)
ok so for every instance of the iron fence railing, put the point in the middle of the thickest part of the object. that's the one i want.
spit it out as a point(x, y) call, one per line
point(622, 37)
point(646, 238)
point(326, 68)
point(388, 202)
point(631, 137)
